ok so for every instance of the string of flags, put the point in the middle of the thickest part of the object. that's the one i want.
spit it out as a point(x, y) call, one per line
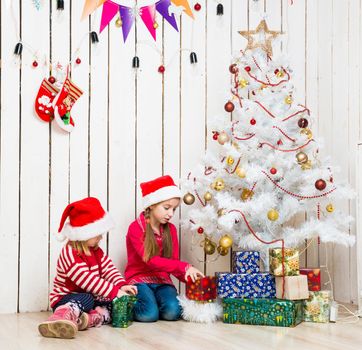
point(127, 15)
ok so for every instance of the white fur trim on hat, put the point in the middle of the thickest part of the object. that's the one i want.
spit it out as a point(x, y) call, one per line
point(83, 233)
point(161, 195)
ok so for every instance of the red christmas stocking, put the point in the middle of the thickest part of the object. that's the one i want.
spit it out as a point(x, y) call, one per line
point(43, 103)
point(63, 103)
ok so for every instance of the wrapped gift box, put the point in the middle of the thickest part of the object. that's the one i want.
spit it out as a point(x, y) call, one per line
point(122, 311)
point(295, 287)
point(265, 312)
point(314, 278)
point(255, 285)
point(317, 307)
point(246, 262)
point(291, 262)
point(203, 289)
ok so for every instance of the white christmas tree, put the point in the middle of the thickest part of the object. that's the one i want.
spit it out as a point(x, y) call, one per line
point(268, 168)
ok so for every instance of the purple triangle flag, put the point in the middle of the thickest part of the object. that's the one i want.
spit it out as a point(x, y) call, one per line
point(109, 10)
point(127, 17)
point(162, 8)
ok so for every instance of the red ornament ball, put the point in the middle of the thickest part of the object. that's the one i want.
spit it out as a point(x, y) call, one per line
point(51, 80)
point(229, 106)
point(276, 71)
point(216, 135)
point(303, 123)
point(78, 61)
point(247, 68)
point(280, 142)
point(161, 69)
point(233, 68)
point(200, 230)
point(252, 121)
point(35, 64)
point(197, 7)
point(320, 184)
point(205, 283)
point(273, 171)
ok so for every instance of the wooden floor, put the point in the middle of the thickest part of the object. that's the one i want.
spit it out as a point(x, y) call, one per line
point(20, 332)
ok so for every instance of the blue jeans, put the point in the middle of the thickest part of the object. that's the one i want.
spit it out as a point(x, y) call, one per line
point(156, 301)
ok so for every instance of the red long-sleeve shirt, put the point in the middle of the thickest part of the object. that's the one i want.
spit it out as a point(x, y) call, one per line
point(158, 268)
point(79, 273)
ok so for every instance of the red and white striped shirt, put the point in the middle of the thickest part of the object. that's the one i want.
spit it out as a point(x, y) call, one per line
point(79, 273)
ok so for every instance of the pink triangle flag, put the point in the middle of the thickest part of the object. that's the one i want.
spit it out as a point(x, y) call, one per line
point(148, 14)
point(110, 9)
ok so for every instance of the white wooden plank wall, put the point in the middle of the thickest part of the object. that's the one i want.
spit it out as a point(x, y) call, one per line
point(132, 125)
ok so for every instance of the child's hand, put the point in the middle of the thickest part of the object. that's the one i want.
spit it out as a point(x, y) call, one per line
point(127, 290)
point(193, 273)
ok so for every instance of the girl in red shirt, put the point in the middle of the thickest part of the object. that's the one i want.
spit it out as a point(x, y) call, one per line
point(153, 253)
point(86, 280)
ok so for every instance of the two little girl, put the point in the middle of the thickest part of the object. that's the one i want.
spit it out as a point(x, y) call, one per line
point(86, 280)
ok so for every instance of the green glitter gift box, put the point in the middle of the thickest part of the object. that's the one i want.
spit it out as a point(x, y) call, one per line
point(122, 311)
point(264, 312)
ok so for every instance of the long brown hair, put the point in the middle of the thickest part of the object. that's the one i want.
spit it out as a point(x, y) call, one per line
point(150, 245)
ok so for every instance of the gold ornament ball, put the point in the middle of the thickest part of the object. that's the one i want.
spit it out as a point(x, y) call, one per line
point(307, 132)
point(280, 74)
point(243, 83)
point(288, 100)
point(230, 160)
point(226, 242)
point(218, 184)
point(330, 208)
point(273, 215)
point(301, 157)
point(207, 196)
point(209, 247)
point(246, 194)
point(222, 251)
point(240, 172)
point(118, 22)
point(221, 212)
point(155, 25)
point(223, 138)
point(189, 199)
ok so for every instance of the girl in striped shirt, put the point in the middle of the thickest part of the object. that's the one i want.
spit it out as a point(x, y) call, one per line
point(86, 280)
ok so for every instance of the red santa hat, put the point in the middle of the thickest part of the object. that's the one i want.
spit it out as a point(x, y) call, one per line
point(159, 190)
point(87, 219)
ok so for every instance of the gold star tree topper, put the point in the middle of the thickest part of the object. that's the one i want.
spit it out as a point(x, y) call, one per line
point(260, 37)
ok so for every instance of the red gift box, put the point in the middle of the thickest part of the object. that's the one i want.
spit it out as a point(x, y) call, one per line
point(203, 289)
point(314, 278)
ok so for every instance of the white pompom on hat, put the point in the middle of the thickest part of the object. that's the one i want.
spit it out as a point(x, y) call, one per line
point(159, 190)
point(87, 219)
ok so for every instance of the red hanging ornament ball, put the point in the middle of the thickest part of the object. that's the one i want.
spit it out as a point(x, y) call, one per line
point(78, 61)
point(229, 106)
point(276, 71)
point(205, 283)
point(320, 184)
point(215, 135)
point(303, 123)
point(247, 68)
point(161, 69)
point(233, 68)
point(51, 80)
point(273, 171)
point(35, 64)
point(280, 142)
point(252, 121)
point(197, 7)
point(200, 230)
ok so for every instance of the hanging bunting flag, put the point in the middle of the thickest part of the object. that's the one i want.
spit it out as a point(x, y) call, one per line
point(147, 13)
point(185, 5)
point(90, 6)
point(162, 8)
point(110, 9)
point(127, 17)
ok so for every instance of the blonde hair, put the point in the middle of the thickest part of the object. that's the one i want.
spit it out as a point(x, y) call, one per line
point(150, 245)
point(81, 247)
